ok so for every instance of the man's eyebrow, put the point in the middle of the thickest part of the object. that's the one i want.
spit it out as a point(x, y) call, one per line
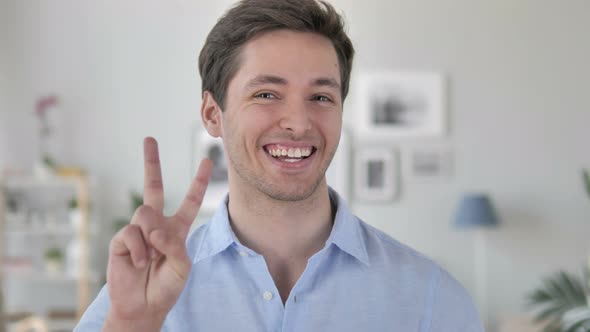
point(265, 79)
point(329, 82)
point(272, 79)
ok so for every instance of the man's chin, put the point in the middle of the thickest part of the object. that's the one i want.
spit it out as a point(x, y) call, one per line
point(289, 197)
point(293, 194)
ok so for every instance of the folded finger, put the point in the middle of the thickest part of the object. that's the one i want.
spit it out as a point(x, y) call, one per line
point(147, 219)
point(129, 241)
point(167, 242)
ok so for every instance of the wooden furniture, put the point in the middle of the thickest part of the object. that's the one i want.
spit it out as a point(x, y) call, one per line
point(518, 323)
point(79, 185)
point(31, 323)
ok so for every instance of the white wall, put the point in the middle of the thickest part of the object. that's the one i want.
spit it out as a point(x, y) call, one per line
point(520, 127)
point(3, 86)
point(3, 81)
point(519, 112)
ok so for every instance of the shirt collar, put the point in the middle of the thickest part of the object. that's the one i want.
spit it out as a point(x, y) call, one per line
point(219, 234)
point(346, 234)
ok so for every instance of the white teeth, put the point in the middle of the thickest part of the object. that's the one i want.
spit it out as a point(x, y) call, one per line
point(305, 152)
point(291, 153)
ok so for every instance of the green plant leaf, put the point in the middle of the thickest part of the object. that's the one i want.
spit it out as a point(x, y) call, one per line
point(49, 162)
point(136, 201)
point(586, 178)
point(552, 327)
point(577, 319)
point(54, 253)
point(73, 204)
point(559, 293)
point(120, 223)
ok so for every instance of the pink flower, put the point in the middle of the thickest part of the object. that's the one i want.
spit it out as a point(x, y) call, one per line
point(44, 103)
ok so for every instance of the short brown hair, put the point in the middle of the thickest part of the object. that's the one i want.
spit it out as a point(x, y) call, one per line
point(218, 60)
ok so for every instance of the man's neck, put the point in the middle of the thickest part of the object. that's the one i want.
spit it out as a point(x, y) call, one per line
point(286, 233)
point(285, 228)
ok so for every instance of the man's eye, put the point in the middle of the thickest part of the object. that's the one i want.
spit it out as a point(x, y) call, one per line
point(322, 98)
point(265, 95)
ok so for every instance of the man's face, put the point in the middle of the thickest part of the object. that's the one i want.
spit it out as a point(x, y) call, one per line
point(283, 115)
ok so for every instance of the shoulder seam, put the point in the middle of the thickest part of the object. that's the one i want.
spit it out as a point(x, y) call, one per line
point(393, 242)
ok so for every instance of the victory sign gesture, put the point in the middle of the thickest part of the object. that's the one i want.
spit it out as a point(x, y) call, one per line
point(148, 261)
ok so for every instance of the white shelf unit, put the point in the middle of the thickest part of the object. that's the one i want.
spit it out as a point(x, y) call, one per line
point(32, 232)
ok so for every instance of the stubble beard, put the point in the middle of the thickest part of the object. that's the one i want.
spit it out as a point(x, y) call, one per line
point(277, 191)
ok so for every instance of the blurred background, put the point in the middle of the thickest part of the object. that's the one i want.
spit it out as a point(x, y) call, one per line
point(83, 82)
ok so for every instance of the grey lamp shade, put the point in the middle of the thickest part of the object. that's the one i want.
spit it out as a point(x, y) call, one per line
point(475, 210)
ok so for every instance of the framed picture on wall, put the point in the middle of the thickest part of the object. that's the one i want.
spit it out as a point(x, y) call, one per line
point(402, 104)
point(376, 174)
point(430, 163)
point(206, 146)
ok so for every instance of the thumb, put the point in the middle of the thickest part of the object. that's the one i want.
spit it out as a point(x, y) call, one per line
point(174, 250)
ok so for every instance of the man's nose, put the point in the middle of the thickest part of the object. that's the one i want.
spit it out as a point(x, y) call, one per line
point(295, 118)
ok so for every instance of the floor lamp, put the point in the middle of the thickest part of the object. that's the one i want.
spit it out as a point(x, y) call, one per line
point(476, 212)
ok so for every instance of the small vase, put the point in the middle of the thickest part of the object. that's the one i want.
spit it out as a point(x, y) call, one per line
point(75, 216)
point(73, 259)
point(53, 266)
point(42, 171)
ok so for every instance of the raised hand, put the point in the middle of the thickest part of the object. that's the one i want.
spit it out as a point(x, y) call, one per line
point(148, 262)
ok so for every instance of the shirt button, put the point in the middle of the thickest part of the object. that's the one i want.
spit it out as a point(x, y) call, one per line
point(243, 253)
point(267, 295)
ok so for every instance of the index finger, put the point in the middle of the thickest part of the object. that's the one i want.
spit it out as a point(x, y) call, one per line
point(191, 204)
point(153, 188)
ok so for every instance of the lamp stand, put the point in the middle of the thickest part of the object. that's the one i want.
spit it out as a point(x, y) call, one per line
point(480, 266)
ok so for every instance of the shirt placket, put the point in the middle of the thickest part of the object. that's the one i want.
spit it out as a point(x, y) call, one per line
point(297, 296)
point(267, 298)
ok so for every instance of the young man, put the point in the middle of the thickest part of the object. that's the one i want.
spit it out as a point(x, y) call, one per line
point(283, 252)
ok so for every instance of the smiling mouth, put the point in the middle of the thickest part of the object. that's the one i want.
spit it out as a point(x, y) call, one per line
point(288, 154)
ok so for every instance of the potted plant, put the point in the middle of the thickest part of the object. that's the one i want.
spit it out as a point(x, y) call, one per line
point(53, 260)
point(563, 301)
point(136, 201)
point(45, 166)
point(75, 215)
point(586, 179)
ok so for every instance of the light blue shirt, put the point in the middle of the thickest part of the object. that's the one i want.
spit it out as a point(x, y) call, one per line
point(362, 280)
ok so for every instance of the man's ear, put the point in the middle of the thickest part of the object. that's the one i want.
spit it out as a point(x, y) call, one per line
point(211, 115)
